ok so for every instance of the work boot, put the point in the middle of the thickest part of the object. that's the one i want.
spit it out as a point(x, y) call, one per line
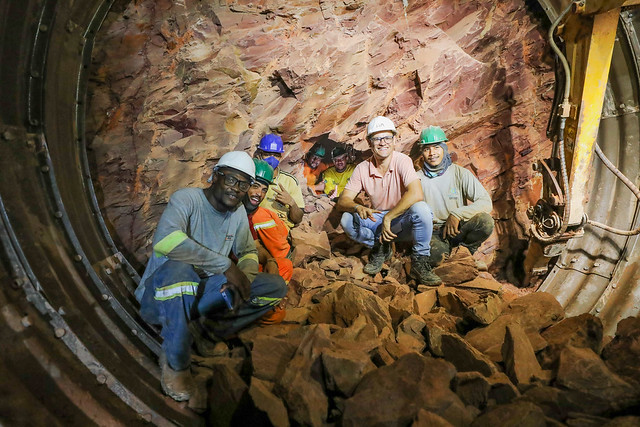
point(421, 271)
point(380, 253)
point(178, 385)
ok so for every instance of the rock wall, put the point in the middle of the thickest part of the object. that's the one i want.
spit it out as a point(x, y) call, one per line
point(175, 84)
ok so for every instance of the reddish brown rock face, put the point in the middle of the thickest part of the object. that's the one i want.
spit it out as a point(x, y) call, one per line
point(177, 84)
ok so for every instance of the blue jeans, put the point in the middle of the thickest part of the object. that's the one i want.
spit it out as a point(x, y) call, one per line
point(416, 225)
point(174, 295)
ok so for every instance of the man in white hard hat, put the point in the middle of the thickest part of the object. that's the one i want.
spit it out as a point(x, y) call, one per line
point(398, 209)
point(190, 275)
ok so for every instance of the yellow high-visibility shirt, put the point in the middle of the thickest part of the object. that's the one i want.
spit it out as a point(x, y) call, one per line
point(333, 179)
point(289, 183)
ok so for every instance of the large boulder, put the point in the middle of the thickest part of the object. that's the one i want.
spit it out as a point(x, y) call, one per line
point(520, 361)
point(534, 312)
point(584, 331)
point(459, 267)
point(344, 369)
point(516, 414)
point(301, 386)
point(623, 352)
point(412, 383)
point(464, 356)
point(580, 369)
point(345, 305)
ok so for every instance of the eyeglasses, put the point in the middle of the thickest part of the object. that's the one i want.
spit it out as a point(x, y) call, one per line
point(231, 181)
point(386, 140)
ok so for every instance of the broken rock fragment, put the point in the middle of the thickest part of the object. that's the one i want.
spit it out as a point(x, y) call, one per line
point(309, 244)
point(271, 355)
point(520, 361)
point(410, 333)
point(580, 369)
point(394, 394)
point(584, 331)
point(227, 390)
point(460, 267)
point(623, 352)
point(436, 324)
point(464, 357)
point(473, 388)
point(533, 312)
point(345, 305)
point(429, 419)
point(300, 385)
point(344, 369)
point(265, 408)
point(514, 414)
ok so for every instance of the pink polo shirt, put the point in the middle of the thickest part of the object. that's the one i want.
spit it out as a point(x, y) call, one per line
point(385, 191)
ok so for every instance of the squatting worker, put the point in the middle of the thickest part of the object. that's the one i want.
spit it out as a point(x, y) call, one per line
point(285, 196)
point(190, 269)
point(269, 232)
point(398, 212)
point(461, 206)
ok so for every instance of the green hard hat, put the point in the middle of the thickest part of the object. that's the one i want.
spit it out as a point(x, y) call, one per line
point(432, 135)
point(319, 151)
point(264, 172)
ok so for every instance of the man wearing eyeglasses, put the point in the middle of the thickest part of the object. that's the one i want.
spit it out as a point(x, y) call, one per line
point(191, 277)
point(398, 209)
point(285, 196)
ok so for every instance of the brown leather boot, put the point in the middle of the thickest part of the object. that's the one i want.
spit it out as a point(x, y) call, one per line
point(178, 385)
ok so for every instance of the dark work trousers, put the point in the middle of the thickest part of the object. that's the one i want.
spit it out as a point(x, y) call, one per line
point(472, 234)
point(174, 295)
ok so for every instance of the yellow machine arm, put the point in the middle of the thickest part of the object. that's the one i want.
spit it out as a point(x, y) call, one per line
point(588, 29)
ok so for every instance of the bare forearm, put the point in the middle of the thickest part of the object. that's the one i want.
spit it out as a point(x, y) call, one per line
point(295, 214)
point(346, 204)
point(413, 195)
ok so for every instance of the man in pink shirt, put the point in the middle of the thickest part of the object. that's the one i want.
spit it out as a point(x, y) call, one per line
point(399, 211)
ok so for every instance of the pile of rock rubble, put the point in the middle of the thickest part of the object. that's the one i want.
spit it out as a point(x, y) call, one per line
point(359, 350)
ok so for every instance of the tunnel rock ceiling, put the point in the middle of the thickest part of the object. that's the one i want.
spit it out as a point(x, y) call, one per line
point(175, 85)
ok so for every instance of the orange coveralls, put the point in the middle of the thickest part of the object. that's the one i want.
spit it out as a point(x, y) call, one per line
point(272, 233)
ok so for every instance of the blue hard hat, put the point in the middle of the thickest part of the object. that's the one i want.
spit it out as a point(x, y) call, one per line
point(271, 144)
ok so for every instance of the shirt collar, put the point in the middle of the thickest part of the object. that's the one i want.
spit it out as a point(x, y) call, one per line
point(373, 170)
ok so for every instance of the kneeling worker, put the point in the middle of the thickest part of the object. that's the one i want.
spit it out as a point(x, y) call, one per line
point(190, 274)
point(447, 189)
point(399, 211)
point(269, 232)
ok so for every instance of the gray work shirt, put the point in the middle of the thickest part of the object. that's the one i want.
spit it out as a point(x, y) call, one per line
point(192, 231)
point(449, 193)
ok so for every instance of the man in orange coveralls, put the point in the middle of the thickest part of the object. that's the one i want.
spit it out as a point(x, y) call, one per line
point(269, 231)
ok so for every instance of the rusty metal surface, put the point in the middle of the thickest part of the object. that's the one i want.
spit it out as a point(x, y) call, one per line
point(74, 348)
point(598, 273)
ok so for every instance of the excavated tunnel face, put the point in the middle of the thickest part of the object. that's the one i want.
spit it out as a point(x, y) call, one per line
point(108, 107)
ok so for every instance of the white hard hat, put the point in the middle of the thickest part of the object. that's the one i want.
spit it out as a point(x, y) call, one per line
point(379, 124)
point(238, 160)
